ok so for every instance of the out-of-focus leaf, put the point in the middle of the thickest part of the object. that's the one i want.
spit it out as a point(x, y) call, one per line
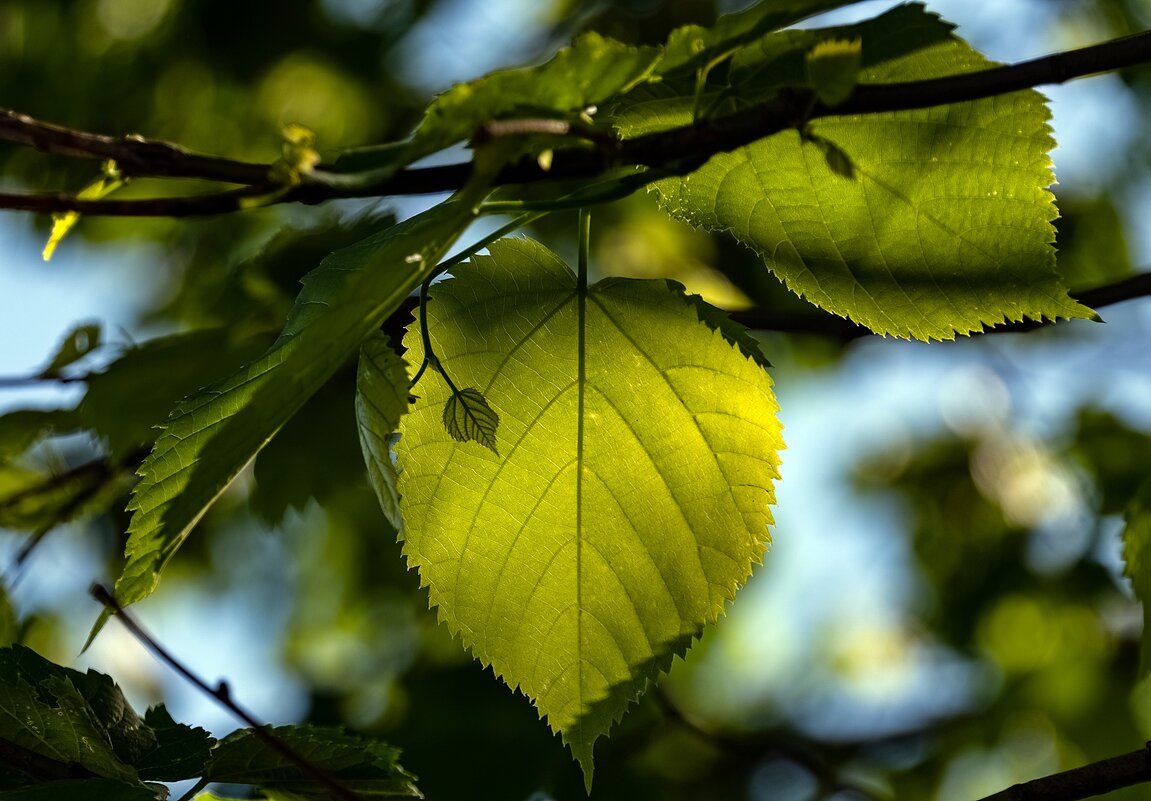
point(32, 499)
point(591, 71)
point(694, 47)
point(315, 455)
point(21, 428)
point(127, 401)
point(1137, 559)
point(78, 343)
point(9, 625)
point(103, 186)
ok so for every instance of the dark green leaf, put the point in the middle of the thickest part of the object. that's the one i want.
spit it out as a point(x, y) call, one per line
point(87, 790)
point(180, 752)
point(364, 765)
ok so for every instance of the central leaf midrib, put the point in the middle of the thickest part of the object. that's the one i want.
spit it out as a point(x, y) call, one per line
point(581, 380)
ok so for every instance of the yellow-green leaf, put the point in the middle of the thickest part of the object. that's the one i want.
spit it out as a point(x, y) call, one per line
point(630, 495)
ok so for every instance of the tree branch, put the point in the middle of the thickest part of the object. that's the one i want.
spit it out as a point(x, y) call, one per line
point(1097, 778)
point(134, 155)
point(222, 695)
point(687, 147)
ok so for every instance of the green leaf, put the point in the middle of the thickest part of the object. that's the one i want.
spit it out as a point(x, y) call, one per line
point(178, 752)
point(381, 400)
point(21, 428)
point(630, 496)
point(103, 186)
point(43, 711)
point(468, 417)
point(1137, 567)
point(62, 718)
point(693, 47)
point(287, 473)
point(78, 343)
point(74, 789)
point(833, 69)
point(591, 71)
point(127, 400)
point(211, 436)
point(366, 766)
point(946, 227)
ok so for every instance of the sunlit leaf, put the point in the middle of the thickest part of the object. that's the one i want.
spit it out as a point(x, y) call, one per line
point(63, 223)
point(833, 69)
point(694, 47)
point(630, 495)
point(946, 227)
point(591, 71)
point(211, 437)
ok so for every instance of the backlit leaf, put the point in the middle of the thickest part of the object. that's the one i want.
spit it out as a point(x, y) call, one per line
point(591, 71)
point(630, 496)
point(211, 436)
point(946, 226)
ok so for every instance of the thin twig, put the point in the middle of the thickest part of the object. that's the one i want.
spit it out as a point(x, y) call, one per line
point(1087, 781)
point(222, 695)
point(687, 146)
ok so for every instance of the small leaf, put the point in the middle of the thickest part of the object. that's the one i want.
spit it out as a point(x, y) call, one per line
point(103, 186)
point(77, 344)
point(833, 69)
point(469, 417)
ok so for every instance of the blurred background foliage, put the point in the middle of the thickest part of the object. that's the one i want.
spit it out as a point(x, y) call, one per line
point(943, 614)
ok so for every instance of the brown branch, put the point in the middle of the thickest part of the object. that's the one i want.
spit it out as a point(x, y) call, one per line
point(134, 155)
point(1095, 779)
point(686, 147)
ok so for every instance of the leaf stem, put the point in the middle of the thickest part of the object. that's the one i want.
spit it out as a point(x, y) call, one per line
point(443, 267)
point(584, 245)
point(222, 695)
